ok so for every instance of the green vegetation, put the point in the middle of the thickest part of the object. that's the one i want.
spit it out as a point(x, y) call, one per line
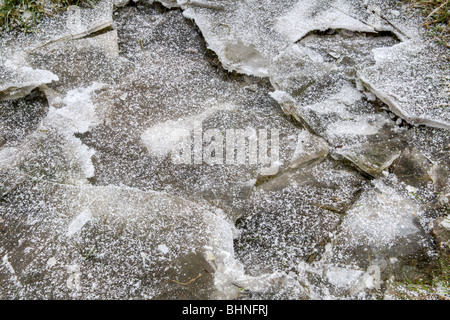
point(436, 18)
point(23, 14)
point(438, 288)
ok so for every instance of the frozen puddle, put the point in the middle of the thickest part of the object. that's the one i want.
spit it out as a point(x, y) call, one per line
point(221, 150)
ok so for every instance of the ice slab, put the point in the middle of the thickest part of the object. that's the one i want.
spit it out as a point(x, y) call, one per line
point(79, 209)
point(382, 238)
point(75, 240)
point(79, 62)
point(20, 117)
point(321, 95)
point(385, 227)
point(247, 35)
point(309, 148)
point(174, 91)
point(18, 81)
point(412, 79)
point(19, 78)
point(290, 217)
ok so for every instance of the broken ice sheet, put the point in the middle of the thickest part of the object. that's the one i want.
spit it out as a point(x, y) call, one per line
point(172, 87)
point(51, 152)
point(309, 148)
point(411, 79)
point(289, 218)
point(384, 228)
point(20, 117)
point(66, 238)
point(17, 81)
point(307, 16)
point(247, 35)
point(321, 96)
point(77, 113)
point(18, 77)
point(73, 23)
point(79, 62)
point(108, 234)
point(381, 237)
point(241, 35)
point(47, 155)
point(425, 167)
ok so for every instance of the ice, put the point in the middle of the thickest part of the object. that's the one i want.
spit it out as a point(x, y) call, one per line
point(290, 217)
point(309, 148)
point(77, 114)
point(163, 248)
point(75, 23)
point(184, 89)
point(407, 78)
point(123, 219)
point(51, 262)
point(165, 98)
point(307, 16)
point(384, 217)
point(165, 138)
point(19, 77)
point(445, 223)
point(343, 277)
point(78, 223)
point(222, 150)
point(79, 62)
point(378, 225)
point(167, 3)
point(19, 81)
point(248, 35)
point(21, 117)
point(322, 96)
point(240, 34)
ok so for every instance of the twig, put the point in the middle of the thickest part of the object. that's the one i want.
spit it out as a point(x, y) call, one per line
point(436, 10)
point(328, 208)
point(187, 283)
point(382, 197)
point(254, 208)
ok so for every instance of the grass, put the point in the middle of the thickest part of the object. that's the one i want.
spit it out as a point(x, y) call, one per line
point(23, 15)
point(438, 288)
point(436, 15)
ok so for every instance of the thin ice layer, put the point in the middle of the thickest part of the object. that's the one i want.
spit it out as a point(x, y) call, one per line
point(289, 218)
point(19, 77)
point(82, 242)
point(174, 92)
point(412, 79)
point(17, 81)
point(384, 228)
point(247, 35)
point(322, 95)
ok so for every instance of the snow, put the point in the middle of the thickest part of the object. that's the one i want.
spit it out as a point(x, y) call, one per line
point(163, 248)
point(78, 114)
point(78, 223)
